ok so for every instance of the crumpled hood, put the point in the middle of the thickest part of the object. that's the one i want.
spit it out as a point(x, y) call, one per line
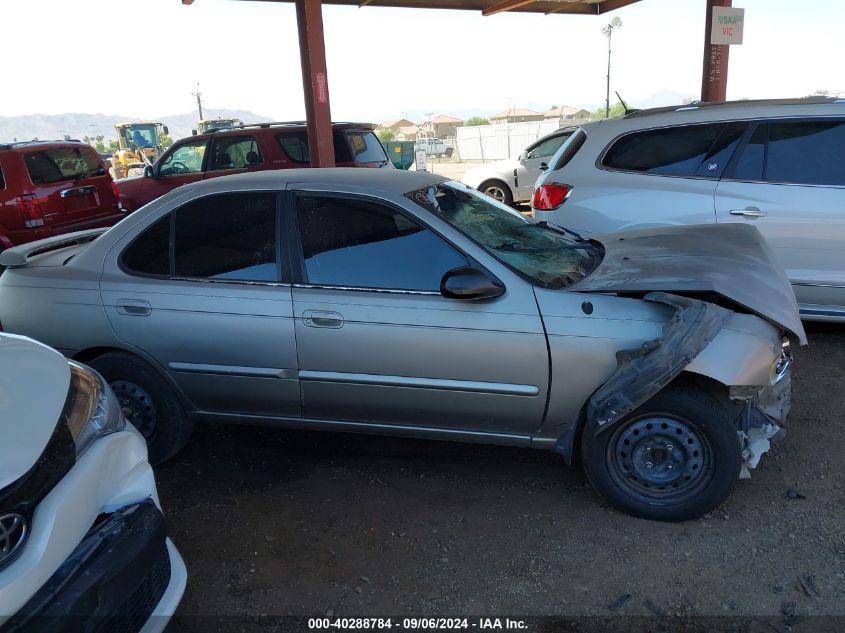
point(34, 381)
point(731, 260)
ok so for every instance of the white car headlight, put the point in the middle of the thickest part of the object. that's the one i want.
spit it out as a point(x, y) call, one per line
point(92, 410)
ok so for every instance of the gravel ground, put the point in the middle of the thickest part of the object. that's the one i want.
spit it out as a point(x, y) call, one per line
point(305, 523)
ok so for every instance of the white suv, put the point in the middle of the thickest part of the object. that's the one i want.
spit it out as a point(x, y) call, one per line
point(778, 165)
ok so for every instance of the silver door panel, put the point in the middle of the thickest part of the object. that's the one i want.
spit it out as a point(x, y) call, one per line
point(230, 347)
point(422, 359)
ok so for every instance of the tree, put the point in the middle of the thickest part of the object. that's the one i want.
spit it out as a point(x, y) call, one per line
point(476, 120)
point(166, 140)
point(111, 147)
point(617, 109)
point(385, 134)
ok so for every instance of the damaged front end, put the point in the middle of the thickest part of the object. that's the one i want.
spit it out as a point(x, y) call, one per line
point(760, 396)
point(764, 411)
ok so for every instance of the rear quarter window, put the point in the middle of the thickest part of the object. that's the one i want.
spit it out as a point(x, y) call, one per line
point(349, 146)
point(688, 150)
point(366, 147)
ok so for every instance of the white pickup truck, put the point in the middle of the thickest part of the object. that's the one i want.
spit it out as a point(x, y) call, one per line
point(434, 147)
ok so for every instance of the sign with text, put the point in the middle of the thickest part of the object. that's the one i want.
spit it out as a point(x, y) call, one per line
point(727, 26)
point(322, 88)
point(421, 160)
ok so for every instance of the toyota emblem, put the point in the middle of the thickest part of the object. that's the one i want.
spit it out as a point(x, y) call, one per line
point(13, 533)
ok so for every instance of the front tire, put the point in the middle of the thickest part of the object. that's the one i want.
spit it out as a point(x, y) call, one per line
point(497, 190)
point(148, 402)
point(673, 459)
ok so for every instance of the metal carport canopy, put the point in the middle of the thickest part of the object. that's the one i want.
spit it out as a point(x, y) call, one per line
point(313, 52)
point(489, 7)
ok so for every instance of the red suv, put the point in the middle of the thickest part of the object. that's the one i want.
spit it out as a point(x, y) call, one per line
point(247, 148)
point(53, 187)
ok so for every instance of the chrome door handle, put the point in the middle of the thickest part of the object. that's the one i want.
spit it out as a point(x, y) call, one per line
point(77, 191)
point(133, 307)
point(749, 212)
point(320, 318)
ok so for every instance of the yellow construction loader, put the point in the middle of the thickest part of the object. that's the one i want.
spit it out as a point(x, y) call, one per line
point(139, 145)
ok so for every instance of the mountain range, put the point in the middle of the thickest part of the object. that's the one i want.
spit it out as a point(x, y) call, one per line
point(79, 125)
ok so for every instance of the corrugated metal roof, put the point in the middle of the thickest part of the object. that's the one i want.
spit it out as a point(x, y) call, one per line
point(488, 7)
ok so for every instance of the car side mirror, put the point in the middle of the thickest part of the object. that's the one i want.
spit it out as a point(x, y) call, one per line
point(469, 284)
point(148, 172)
point(523, 157)
point(166, 131)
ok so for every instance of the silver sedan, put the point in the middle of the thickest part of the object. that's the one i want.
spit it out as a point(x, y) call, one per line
point(402, 303)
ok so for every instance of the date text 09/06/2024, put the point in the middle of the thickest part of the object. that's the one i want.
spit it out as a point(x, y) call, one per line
point(482, 624)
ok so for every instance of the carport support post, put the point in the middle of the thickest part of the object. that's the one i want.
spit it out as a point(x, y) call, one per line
point(714, 82)
point(315, 85)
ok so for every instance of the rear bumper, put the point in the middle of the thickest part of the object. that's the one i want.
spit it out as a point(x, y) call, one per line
point(114, 580)
point(25, 236)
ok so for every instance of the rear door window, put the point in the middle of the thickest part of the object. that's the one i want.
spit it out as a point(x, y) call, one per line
point(235, 152)
point(230, 236)
point(62, 163)
point(689, 150)
point(227, 236)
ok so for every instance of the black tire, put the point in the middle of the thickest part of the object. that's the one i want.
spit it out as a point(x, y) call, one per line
point(673, 459)
point(449, 152)
point(148, 402)
point(497, 190)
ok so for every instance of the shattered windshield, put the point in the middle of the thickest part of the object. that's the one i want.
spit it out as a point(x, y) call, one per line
point(547, 254)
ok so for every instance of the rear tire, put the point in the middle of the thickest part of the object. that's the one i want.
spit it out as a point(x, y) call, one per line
point(148, 402)
point(449, 152)
point(497, 190)
point(673, 459)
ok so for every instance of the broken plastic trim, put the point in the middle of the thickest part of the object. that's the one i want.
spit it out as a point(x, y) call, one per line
point(756, 429)
point(642, 372)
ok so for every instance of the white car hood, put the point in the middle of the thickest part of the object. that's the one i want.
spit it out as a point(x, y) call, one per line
point(501, 169)
point(34, 381)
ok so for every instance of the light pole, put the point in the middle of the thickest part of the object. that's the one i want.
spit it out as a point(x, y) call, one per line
point(615, 23)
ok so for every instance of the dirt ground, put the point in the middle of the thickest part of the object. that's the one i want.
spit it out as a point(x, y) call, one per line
point(312, 524)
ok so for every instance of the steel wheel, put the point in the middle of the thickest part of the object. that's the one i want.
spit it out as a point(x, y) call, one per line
point(660, 459)
point(137, 406)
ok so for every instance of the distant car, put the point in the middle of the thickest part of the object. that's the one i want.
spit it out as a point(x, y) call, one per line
point(776, 165)
point(83, 543)
point(53, 187)
point(512, 181)
point(248, 148)
point(434, 147)
point(402, 303)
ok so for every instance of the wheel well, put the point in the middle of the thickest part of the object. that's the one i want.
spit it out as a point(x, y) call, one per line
point(92, 353)
point(570, 440)
point(87, 355)
point(499, 181)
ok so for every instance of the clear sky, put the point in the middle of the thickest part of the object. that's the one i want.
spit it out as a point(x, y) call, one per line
point(144, 57)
